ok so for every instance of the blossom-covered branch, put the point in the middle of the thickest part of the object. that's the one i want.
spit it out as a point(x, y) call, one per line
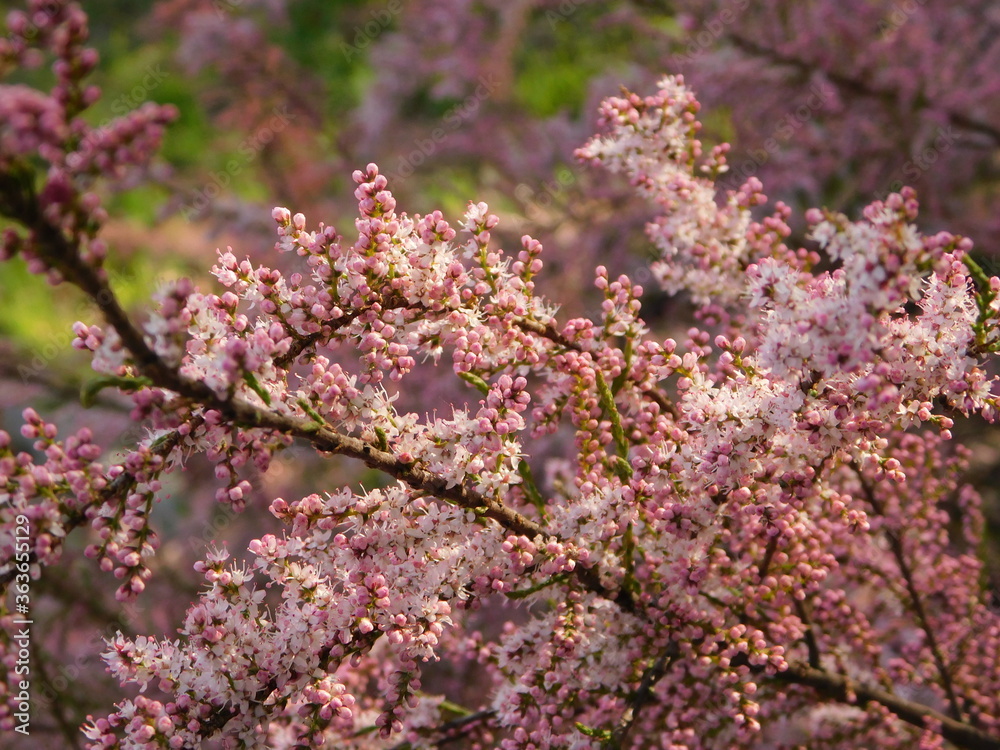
point(703, 563)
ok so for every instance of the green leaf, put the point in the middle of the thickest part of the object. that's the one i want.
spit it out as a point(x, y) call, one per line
point(447, 705)
point(90, 389)
point(529, 486)
point(251, 380)
point(598, 734)
point(313, 414)
point(977, 272)
point(523, 593)
point(475, 380)
point(621, 468)
point(611, 412)
point(617, 383)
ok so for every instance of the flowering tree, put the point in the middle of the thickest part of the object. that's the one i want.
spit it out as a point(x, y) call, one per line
point(873, 96)
point(828, 103)
point(761, 538)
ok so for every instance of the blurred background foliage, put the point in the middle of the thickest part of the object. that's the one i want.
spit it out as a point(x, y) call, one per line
point(325, 41)
point(362, 80)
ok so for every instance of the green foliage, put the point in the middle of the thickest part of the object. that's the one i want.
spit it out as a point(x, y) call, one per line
point(316, 37)
point(29, 312)
point(563, 52)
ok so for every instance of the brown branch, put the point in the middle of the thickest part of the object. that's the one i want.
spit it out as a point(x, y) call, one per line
point(810, 637)
point(846, 691)
point(60, 254)
point(765, 564)
point(856, 86)
point(899, 553)
point(642, 696)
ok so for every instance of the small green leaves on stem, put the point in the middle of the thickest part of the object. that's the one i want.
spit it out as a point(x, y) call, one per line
point(621, 468)
point(618, 382)
point(256, 387)
point(128, 384)
point(524, 593)
point(604, 735)
point(475, 380)
point(984, 296)
point(313, 414)
point(529, 487)
point(611, 412)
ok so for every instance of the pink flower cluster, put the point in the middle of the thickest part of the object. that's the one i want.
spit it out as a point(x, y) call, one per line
point(693, 537)
point(49, 125)
point(749, 540)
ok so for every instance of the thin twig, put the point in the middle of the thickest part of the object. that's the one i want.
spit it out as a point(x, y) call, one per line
point(856, 86)
point(810, 637)
point(642, 696)
point(899, 553)
point(847, 691)
point(459, 726)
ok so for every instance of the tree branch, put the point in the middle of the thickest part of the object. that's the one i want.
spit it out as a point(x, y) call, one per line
point(899, 554)
point(856, 86)
point(810, 637)
point(844, 690)
point(642, 696)
point(61, 254)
